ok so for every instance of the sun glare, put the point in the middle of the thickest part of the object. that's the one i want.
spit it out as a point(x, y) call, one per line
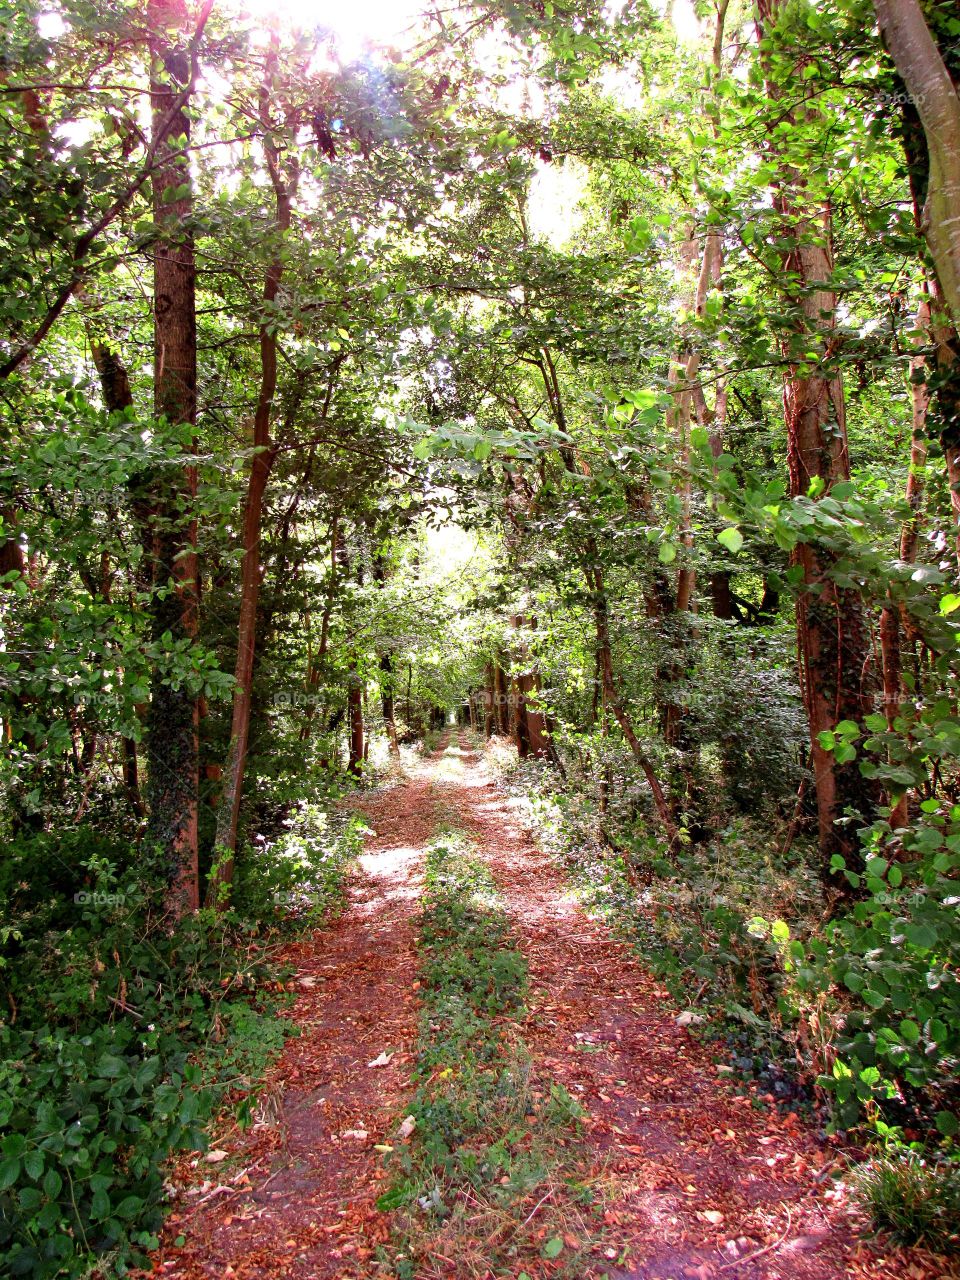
point(359, 25)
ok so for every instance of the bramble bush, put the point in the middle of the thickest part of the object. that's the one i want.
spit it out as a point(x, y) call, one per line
point(126, 1035)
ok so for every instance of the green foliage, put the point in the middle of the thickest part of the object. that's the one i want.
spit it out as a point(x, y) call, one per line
point(127, 1035)
point(88, 1121)
point(298, 876)
point(889, 966)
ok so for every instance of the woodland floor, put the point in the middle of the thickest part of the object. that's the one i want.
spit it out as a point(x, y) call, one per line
point(697, 1179)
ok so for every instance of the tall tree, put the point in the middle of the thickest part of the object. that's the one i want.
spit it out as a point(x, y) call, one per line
point(934, 95)
point(832, 634)
point(172, 738)
point(284, 178)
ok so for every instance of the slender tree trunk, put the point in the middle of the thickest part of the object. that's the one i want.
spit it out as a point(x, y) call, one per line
point(501, 698)
point(228, 816)
point(613, 700)
point(172, 737)
point(488, 701)
point(895, 621)
point(386, 701)
point(386, 669)
point(920, 402)
point(355, 713)
point(532, 738)
point(316, 661)
point(933, 319)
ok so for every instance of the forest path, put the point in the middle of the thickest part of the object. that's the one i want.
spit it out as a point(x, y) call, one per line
point(697, 1181)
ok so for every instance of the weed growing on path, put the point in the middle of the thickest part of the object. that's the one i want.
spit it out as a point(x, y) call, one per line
point(489, 1181)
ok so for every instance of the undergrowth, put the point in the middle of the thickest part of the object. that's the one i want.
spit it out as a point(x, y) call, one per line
point(127, 1034)
point(916, 1201)
point(490, 1181)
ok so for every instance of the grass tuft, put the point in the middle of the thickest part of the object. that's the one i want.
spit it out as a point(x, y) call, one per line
point(916, 1201)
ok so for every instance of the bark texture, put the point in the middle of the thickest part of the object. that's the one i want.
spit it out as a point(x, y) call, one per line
point(172, 737)
point(934, 96)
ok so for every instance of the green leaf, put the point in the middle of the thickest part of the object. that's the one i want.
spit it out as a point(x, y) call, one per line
point(947, 1123)
point(667, 553)
point(99, 1206)
point(921, 935)
point(553, 1248)
point(909, 1031)
point(395, 1197)
point(9, 1172)
point(731, 538)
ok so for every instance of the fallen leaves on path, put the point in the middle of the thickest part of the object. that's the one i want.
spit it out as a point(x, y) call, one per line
point(697, 1181)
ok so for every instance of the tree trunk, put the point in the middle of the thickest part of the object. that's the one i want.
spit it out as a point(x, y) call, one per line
point(228, 816)
point(532, 736)
point(386, 701)
point(501, 698)
point(934, 95)
point(613, 700)
point(172, 737)
point(355, 710)
point(832, 636)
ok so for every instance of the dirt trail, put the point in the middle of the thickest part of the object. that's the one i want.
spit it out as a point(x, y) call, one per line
point(308, 1176)
point(699, 1183)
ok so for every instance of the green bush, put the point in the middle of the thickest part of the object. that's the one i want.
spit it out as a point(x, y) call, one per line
point(125, 1034)
point(889, 968)
point(298, 875)
point(87, 1122)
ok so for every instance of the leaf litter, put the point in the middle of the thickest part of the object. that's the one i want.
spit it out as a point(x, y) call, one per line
point(698, 1182)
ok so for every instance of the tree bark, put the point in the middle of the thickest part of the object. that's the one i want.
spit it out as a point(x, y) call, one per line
point(934, 95)
point(172, 737)
point(265, 453)
point(832, 636)
point(355, 712)
point(532, 736)
point(387, 703)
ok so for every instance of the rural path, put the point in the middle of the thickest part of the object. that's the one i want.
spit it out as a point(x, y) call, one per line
point(699, 1181)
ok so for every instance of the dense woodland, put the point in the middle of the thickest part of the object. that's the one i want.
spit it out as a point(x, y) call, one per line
point(585, 378)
